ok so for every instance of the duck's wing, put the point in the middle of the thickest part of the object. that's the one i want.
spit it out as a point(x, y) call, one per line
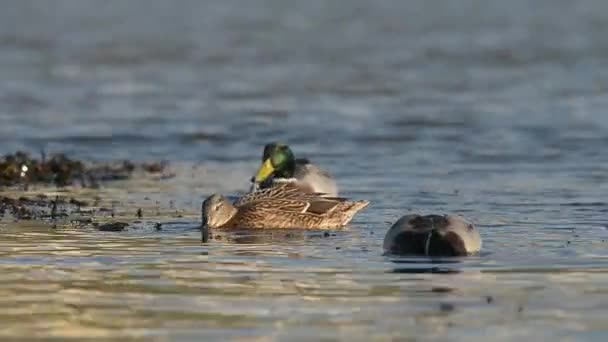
point(287, 190)
point(289, 197)
point(287, 206)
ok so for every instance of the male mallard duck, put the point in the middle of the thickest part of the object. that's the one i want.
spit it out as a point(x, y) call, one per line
point(280, 166)
point(281, 206)
point(432, 235)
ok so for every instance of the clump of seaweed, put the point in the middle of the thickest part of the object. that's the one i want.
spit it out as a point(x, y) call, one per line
point(60, 170)
point(21, 168)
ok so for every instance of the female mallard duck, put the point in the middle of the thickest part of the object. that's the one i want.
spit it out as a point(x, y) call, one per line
point(280, 166)
point(281, 206)
point(432, 235)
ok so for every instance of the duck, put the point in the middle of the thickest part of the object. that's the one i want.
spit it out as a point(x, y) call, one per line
point(283, 205)
point(432, 235)
point(279, 165)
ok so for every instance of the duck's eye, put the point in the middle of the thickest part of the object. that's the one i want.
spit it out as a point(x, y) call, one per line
point(470, 227)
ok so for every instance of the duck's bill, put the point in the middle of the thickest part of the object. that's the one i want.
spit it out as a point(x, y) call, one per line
point(265, 170)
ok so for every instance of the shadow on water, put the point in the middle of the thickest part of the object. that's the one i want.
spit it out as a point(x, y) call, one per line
point(269, 236)
point(418, 265)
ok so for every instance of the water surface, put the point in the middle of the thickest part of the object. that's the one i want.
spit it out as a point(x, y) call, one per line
point(493, 110)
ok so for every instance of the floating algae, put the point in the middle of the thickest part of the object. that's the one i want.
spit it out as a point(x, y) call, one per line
point(19, 173)
point(60, 170)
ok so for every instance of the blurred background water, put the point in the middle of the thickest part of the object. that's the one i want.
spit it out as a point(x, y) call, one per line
point(490, 109)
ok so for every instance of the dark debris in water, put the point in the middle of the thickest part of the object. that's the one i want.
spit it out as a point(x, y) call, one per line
point(67, 210)
point(442, 289)
point(19, 170)
point(113, 227)
point(60, 170)
point(433, 270)
point(446, 307)
point(40, 207)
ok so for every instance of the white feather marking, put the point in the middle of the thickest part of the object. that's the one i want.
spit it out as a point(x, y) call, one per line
point(427, 244)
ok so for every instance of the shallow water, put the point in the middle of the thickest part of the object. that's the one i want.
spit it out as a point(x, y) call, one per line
point(493, 110)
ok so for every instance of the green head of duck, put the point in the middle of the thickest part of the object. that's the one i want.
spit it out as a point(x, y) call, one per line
point(278, 161)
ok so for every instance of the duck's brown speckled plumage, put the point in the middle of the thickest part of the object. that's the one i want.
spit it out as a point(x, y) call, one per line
point(288, 206)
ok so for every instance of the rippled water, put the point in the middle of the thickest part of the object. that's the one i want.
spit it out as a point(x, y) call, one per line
point(491, 109)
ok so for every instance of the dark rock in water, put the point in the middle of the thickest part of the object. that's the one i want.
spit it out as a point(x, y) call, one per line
point(113, 227)
point(432, 235)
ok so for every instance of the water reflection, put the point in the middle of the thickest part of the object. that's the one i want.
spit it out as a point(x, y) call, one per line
point(427, 265)
point(271, 236)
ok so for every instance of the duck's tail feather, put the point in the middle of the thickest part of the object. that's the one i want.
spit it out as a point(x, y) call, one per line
point(353, 207)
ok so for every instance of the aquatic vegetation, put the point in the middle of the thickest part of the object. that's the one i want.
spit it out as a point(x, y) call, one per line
point(61, 170)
